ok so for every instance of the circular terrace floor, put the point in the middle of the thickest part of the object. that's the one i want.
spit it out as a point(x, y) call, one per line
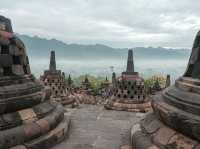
point(93, 127)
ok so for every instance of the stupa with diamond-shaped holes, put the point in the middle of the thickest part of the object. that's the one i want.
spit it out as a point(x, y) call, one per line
point(28, 119)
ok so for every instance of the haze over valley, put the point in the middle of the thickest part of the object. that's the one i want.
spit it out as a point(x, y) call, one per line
point(98, 59)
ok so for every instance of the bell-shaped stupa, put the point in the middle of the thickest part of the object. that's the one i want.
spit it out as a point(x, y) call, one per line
point(55, 80)
point(129, 91)
point(28, 119)
point(175, 122)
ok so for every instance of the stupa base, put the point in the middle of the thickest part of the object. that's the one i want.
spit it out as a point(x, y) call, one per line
point(66, 101)
point(130, 107)
point(39, 127)
point(151, 133)
point(50, 139)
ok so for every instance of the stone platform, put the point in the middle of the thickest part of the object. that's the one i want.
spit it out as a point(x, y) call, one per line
point(93, 127)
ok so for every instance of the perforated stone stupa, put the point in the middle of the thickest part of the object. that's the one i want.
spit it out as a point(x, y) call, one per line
point(55, 79)
point(129, 90)
point(28, 120)
point(86, 86)
point(175, 122)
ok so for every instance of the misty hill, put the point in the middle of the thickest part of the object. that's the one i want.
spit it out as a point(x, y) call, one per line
point(40, 47)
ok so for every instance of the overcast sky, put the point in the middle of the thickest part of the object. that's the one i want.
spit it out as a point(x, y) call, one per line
point(117, 23)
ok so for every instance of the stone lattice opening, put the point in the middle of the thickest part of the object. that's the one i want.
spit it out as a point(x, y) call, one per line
point(27, 60)
point(7, 71)
point(4, 49)
point(2, 26)
point(16, 60)
point(25, 69)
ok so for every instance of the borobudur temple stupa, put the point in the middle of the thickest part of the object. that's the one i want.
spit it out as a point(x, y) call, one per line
point(129, 91)
point(28, 120)
point(55, 79)
point(175, 122)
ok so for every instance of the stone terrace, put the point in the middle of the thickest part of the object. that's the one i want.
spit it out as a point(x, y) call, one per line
point(93, 127)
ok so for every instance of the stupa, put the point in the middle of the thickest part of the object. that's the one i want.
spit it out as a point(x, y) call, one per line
point(175, 122)
point(28, 120)
point(129, 91)
point(70, 84)
point(86, 86)
point(168, 81)
point(114, 79)
point(105, 83)
point(55, 79)
point(156, 87)
point(105, 88)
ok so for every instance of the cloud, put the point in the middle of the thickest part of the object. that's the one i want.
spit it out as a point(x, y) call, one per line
point(118, 23)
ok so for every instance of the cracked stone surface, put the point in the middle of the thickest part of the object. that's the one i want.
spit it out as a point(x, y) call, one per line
point(93, 127)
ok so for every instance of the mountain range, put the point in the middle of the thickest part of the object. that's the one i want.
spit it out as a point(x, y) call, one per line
point(40, 47)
